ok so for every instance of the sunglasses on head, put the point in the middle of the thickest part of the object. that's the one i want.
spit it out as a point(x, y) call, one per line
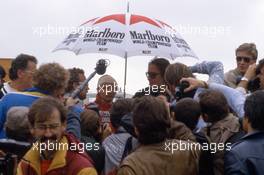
point(151, 75)
point(246, 59)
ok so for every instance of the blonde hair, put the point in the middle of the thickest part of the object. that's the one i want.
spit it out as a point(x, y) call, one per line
point(250, 48)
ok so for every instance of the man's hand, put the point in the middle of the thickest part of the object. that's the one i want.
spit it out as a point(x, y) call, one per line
point(70, 102)
point(2, 154)
point(251, 72)
point(194, 83)
point(106, 131)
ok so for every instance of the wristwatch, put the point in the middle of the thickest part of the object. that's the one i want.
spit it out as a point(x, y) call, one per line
point(244, 79)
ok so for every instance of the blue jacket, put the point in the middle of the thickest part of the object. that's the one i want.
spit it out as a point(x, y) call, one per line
point(27, 98)
point(246, 157)
point(17, 99)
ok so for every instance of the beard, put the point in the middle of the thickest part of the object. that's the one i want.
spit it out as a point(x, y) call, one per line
point(48, 146)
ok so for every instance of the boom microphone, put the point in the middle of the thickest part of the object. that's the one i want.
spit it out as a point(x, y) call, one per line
point(101, 66)
point(99, 69)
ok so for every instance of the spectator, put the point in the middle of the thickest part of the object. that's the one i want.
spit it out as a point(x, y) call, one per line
point(246, 156)
point(16, 125)
point(188, 111)
point(177, 71)
point(17, 131)
point(21, 74)
point(215, 110)
point(2, 76)
point(246, 55)
point(50, 79)
point(155, 75)
point(47, 118)
point(76, 78)
point(115, 144)
point(91, 135)
point(152, 122)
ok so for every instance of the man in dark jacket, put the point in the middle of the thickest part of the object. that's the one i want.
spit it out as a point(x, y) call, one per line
point(246, 156)
point(152, 156)
point(91, 136)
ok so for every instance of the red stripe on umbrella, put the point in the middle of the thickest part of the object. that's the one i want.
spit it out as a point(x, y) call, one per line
point(118, 17)
point(137, 18)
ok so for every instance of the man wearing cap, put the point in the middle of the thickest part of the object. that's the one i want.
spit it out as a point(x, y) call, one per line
point(106, 91)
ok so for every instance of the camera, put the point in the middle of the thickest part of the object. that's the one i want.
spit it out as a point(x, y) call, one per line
point(179, 90)
point(8, 164)
point(254, 84)
point(180, 94)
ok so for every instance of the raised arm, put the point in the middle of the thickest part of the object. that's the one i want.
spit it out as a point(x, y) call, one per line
point(214, 69)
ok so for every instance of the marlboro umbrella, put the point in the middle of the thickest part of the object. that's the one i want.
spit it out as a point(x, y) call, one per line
point(126, 35)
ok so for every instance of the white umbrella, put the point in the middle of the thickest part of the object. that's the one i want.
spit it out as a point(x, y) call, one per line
point(126, 35)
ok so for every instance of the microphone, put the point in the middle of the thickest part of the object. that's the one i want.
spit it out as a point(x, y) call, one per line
point(101, 66)
point(99, 69)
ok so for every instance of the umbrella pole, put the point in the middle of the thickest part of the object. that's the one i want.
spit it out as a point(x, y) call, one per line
point(125, 75)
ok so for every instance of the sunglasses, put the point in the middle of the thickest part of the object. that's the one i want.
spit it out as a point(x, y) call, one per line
point(246, 59)
point(152, 75)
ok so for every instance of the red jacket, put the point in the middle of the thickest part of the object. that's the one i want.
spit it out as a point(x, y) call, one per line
point(65, 161)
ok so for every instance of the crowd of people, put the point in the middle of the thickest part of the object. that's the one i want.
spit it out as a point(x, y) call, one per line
point(177, 125)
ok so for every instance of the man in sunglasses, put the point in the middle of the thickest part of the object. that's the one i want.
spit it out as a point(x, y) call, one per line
point(155, 76)
point(246, 55)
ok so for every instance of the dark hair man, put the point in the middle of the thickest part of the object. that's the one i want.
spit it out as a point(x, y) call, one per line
point(2, 76)
point(246, 156)
point(119, 137)
point(21, 74)
point(152, 122)
point(155, 76)
point(224, 125)
point(47, 118)
point(77, 76)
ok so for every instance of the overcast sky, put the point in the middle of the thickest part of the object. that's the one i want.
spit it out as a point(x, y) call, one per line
point(213, 29)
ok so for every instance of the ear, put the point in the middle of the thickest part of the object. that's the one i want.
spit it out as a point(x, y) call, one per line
point(136, 131)
point(63, 126)
point(32, 130)
point(172, 115)
point(205, 117)
point(20, 73)
point(245, 124)
point(75, 85)
point(262, 71)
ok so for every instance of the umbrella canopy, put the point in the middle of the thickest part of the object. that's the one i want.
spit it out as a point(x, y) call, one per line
point(126, 35)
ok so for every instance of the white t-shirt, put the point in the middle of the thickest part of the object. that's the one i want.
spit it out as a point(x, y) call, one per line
point(7, 89)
